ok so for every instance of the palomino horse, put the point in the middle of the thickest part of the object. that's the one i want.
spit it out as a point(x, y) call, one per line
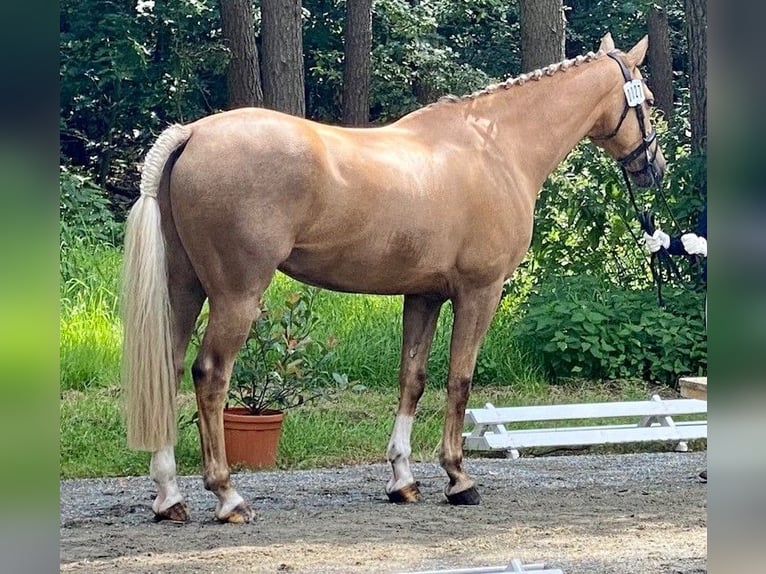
point(435, 206)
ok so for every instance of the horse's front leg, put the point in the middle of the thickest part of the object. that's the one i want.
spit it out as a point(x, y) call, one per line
point(419, 323)
point(227, 329)
point(473, 311)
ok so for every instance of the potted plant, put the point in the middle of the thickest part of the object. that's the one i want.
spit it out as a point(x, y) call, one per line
point(279, 367)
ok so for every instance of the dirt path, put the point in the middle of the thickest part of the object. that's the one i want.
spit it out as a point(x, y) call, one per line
point(603, 514)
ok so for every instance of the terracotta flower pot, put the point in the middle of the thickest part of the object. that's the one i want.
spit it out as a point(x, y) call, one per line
point(251, 440)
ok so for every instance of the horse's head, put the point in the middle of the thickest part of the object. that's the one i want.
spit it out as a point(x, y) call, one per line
point(624, 128)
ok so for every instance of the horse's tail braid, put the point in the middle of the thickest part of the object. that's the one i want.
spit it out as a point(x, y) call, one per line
point(148, 373)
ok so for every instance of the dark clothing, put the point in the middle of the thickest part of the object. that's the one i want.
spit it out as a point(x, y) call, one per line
point(677, 247)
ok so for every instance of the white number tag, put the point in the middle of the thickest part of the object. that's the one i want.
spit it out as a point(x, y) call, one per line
point(634, 91)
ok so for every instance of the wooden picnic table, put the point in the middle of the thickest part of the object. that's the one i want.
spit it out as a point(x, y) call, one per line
point(693, 387)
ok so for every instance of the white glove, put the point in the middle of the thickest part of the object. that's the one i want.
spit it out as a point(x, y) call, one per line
point(694, 244)
point(658, 239)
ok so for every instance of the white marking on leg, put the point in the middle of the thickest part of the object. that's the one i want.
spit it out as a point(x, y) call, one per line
point(163, 472)
point(398, 454)
point(227, 501)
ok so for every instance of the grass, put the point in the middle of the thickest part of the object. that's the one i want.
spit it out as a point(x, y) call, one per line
point(89, 329)
point(352, 428)
point(367, 328)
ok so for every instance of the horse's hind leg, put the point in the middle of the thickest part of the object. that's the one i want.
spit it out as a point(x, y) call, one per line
point(419, 323)
point(473, 311)
point(169, 504)
point(231, 317)
point(186, 299)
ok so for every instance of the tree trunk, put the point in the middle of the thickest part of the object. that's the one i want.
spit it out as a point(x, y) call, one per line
point(660, 59)
point(696, 34)
point(356, 67)
point(282, 50)
point(243, 78)
point(542, 25)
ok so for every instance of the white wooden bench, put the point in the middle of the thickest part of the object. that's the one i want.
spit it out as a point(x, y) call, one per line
point(514, 566)
point(654, 423)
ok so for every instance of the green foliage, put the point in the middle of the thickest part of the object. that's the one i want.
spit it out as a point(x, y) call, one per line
point(586, 225)
point(412, 63)
point(589, 20)
point(323, 57)
point(582, 327)
point(281, 365)
point(89, 330)
point(127, 69)
point(85, 211)
point(90, 334)
point(482, 34)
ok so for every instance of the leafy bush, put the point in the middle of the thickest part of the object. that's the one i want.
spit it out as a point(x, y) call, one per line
point(585, 328)
point(84, 210)
point(127, 69)
point(281, 365)
point(584, 220)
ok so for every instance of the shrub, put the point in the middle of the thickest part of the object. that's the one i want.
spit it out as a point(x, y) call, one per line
point(84, 211)
point(583, 327)
point(281, 365)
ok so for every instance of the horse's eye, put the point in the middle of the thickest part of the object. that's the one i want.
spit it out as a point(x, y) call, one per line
point(650, 102)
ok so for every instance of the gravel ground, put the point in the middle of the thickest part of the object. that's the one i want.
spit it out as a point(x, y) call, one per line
point(604, 514)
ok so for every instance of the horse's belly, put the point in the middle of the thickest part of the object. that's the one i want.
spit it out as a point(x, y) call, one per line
point(379, 273)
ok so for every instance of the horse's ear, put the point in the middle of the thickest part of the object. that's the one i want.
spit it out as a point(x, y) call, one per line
point(607, 44)
point(638, 52)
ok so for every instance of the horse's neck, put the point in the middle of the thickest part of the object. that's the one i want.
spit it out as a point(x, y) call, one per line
point(543, 120)
point(540, 121)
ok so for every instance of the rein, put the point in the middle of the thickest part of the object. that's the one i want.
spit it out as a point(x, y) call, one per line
point(634, 97)
point(659, 260)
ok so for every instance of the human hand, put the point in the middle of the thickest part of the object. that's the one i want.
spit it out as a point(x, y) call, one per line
point(657, 240)
point(694, 244)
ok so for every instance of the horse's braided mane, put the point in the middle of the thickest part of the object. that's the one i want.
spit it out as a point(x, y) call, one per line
point(562, 66)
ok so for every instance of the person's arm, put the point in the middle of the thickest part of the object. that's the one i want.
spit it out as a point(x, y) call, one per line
point(687, 244)
point(696, 243)
point(702, 223)
point(676, 247)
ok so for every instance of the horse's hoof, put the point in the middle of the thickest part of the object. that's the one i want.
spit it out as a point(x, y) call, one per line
point(179, 512)
point(242, 514)
point(469, 497)
point(409, 493)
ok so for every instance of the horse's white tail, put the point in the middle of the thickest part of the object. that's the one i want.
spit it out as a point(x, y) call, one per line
point(148, 373)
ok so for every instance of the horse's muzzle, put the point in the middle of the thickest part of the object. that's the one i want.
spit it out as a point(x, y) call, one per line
point(650, 174)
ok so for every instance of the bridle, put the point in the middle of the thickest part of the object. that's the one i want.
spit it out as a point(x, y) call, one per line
point(634, 97)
